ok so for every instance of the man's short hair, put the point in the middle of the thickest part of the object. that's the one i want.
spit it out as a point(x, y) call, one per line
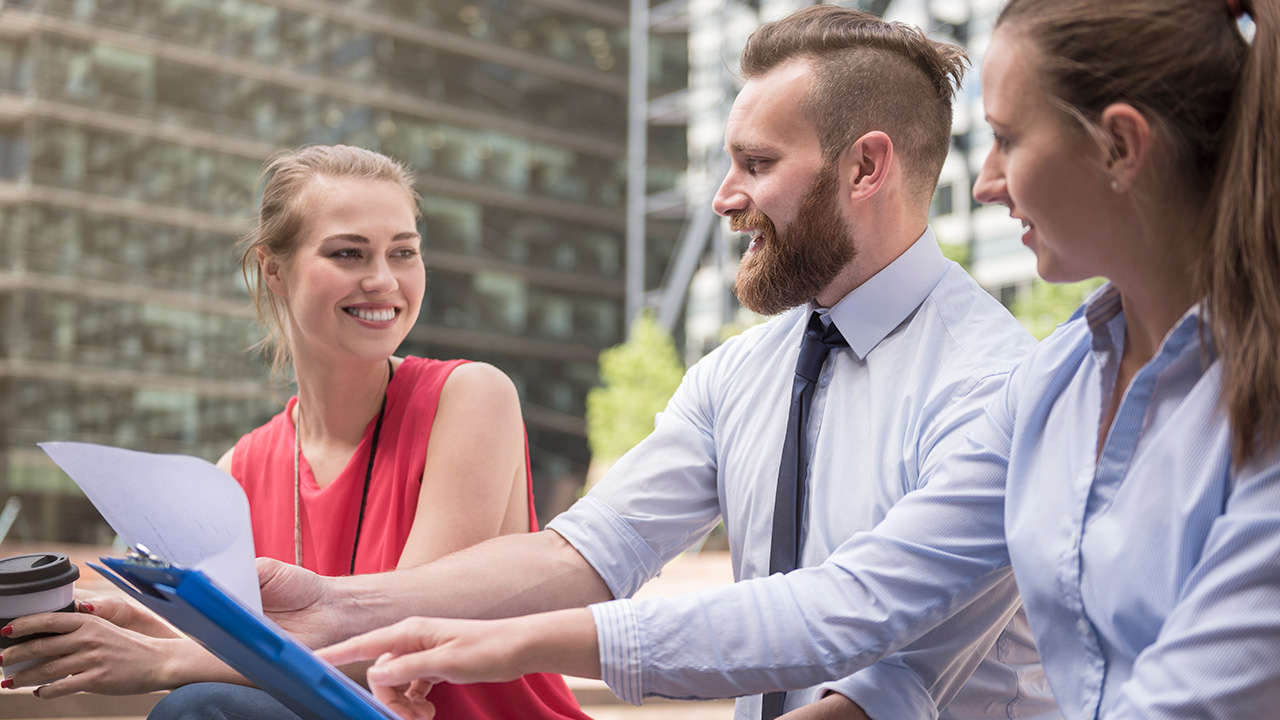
point(868, 75)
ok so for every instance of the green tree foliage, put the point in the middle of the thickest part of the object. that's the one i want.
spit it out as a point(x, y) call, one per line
point(961, 254)
point(1042, 306)
point(638, 377)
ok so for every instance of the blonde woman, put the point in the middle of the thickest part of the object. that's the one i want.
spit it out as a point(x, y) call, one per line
point(378, 463)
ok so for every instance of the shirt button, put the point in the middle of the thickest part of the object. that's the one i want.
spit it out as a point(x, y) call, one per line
point(1084, 626)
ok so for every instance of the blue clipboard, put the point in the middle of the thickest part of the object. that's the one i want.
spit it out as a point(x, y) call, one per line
point(255, 646)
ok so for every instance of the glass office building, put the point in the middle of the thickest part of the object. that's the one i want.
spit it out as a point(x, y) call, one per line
point(131, 136)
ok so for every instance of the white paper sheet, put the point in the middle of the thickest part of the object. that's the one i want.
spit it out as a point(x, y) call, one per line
point(182, 508)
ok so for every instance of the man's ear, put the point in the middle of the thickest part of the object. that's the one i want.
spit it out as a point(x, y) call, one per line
point(865, 164)
point(270, 267)
point(1129, 136)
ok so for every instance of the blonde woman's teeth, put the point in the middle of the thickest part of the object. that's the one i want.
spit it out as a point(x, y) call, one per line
point(378, 315)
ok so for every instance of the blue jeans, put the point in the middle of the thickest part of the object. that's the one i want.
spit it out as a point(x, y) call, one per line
point(220, 701)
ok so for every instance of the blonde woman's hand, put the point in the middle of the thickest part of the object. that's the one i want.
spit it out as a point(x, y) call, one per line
point(87, 653)
point(123, 613)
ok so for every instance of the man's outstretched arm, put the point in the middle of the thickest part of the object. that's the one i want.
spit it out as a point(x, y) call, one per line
point(470, 651)
point(506, 576)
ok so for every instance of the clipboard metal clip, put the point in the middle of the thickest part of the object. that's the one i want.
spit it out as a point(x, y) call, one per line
point(140, 555)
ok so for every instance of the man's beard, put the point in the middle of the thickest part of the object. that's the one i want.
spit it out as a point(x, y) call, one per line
point(791, 268)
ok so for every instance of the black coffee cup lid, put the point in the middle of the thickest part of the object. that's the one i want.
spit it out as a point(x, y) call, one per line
point(37, 572)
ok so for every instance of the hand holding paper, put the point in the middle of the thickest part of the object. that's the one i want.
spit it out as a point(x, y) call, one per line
point(295, 599)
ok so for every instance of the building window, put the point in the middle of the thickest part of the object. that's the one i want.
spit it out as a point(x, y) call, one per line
point(13, 152)
point(943, 201)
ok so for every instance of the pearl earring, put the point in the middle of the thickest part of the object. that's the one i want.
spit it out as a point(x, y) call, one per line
point(1115, 185)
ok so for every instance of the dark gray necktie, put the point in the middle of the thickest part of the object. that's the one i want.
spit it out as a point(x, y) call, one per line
point(788, 506)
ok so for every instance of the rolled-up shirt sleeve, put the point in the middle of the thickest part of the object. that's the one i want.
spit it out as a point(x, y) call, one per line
point(657, 500)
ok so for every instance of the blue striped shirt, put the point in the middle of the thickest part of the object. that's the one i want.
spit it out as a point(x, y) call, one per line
point(1150, 572)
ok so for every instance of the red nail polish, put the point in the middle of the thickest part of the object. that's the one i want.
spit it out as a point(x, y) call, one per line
point(36, 692)
point(6, 683)
point(87, 607)
point(6, 631)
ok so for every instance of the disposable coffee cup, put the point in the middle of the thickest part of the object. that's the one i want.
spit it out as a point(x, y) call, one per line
point(30, 584)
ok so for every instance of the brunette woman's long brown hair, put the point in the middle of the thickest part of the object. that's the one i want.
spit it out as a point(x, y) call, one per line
point(1186, 65)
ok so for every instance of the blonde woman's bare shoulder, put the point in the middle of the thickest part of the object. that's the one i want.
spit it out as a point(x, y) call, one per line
point(479, 381)
point(224, 462)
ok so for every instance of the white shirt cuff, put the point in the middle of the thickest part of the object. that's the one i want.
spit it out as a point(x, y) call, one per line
point(618, 635)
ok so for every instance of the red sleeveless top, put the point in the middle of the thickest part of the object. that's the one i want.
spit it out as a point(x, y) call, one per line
point(263, 464)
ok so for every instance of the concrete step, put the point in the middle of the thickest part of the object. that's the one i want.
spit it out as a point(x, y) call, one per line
point(21, 703)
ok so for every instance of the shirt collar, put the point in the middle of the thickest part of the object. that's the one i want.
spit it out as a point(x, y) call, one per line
point(1101, 307)
point(1104, 306)
point(869, 313)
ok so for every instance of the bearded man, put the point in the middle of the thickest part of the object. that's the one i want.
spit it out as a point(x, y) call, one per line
point(837, 139)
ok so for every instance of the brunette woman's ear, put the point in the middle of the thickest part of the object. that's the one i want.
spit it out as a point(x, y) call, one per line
point(1128, 147)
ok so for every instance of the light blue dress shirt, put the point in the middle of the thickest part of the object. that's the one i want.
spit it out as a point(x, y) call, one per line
point(927, 349)
point(1150, 572)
